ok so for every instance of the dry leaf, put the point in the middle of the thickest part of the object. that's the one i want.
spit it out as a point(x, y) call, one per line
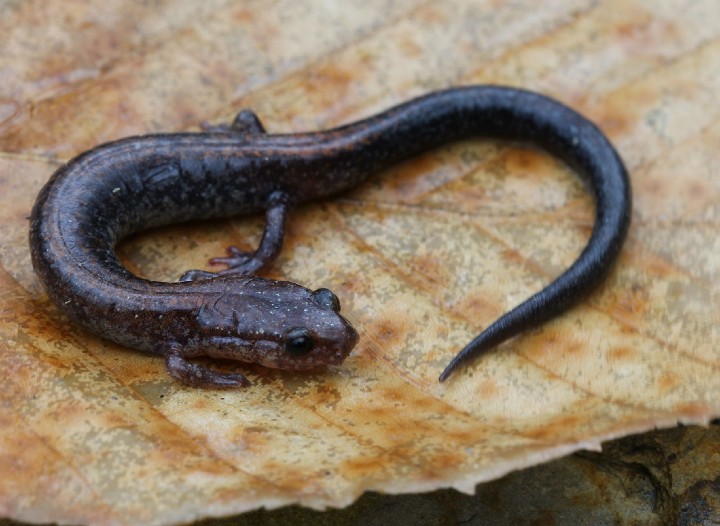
point(422, 256)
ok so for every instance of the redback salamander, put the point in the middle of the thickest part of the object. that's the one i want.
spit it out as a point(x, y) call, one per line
point(107, 193)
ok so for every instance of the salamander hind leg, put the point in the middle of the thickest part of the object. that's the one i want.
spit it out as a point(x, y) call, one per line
point(245, 123)
point(196, 375)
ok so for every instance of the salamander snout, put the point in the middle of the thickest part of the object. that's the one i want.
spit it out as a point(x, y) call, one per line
point(325, 338)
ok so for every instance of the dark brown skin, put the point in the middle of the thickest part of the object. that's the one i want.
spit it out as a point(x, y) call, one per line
point(118, 188)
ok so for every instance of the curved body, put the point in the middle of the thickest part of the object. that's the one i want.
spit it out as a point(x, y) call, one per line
point(140, 182)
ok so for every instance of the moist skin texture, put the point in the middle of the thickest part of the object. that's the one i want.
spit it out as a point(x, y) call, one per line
point(121, 187)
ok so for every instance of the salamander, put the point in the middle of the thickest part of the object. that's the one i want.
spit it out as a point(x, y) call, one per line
point(120, 187)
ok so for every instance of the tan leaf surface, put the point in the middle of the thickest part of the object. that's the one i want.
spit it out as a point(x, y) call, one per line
point(422, 256)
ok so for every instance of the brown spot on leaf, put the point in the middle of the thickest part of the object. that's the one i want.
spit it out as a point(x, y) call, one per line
point(621, 354)
point(668, 381)
point(513, 257)
point(632, 303)
point(487, 389)
point(431, 268)
point(387, 332)
point(526, 160)
point(550, 429)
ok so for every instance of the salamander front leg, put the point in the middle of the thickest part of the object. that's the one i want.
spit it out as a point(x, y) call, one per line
point(249, 263)
point(240, 262)
point(196, 375)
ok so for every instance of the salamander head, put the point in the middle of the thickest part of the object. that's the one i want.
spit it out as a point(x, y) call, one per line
point(276, 324)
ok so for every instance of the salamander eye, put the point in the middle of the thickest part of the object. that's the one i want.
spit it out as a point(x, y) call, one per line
point(326, 299)
point(299, 341)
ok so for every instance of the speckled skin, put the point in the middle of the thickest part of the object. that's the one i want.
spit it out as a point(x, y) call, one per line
point(140, 182)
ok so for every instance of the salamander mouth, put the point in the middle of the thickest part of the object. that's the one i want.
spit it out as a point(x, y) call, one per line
point(322, 360)
point(306, 363)
point(273, 354)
